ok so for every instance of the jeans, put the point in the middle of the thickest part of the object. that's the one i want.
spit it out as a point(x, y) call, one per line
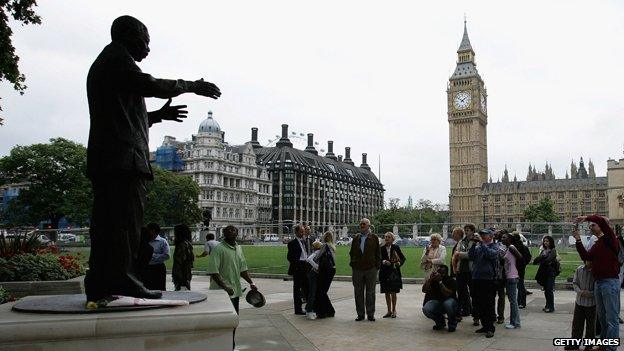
point(549, 287)
point(364, 280)
point(500, 305)
point(485, 291)
point(607, 294)
point(512, 295)
point(435, 309)
point(311, 298)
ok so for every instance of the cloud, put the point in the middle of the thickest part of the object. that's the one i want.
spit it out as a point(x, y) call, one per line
point(363, 74)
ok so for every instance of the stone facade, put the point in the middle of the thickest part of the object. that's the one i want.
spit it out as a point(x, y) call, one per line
point(467, 117)
point(615, 190)
point(233, 186)
point(581, 194)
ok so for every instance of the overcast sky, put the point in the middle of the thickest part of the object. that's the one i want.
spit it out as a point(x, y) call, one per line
point(370, 75)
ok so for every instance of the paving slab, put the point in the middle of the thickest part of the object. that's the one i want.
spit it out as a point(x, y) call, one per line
point(276, 327)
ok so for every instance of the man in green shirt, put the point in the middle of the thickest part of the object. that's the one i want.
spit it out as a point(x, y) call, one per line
point(226, 265)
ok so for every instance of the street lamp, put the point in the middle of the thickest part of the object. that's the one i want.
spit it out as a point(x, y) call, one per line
point(484, 200)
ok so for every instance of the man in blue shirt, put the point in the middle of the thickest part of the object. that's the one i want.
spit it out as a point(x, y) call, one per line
point(484, 256)
point(156, 273)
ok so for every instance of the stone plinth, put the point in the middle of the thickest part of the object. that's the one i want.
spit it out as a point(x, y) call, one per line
point(200, 326)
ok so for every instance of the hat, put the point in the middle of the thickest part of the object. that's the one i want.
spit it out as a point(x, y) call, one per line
point(255, 298)
point(485, 232)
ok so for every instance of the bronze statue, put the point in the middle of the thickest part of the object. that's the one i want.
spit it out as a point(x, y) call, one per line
point(118, 155)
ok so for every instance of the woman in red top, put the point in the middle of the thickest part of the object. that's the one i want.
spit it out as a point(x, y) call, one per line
point(605, 269)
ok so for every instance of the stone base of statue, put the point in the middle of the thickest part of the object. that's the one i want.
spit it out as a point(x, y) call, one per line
point(207, 324)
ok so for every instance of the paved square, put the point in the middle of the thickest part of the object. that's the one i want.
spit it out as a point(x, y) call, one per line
point(275, 327)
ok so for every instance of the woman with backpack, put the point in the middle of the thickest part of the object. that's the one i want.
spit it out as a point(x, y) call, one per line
point(547, 271)
point(521, 265)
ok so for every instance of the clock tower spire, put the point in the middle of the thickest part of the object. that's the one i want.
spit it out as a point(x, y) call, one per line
point(467, 117)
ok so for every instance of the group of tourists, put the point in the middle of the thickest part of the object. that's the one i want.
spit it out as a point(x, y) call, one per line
point(486, 269)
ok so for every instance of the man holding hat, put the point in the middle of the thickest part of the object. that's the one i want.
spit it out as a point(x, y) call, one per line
point(484, 256)
point(226, 265)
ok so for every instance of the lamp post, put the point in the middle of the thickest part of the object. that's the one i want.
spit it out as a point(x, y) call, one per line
point(484, 198)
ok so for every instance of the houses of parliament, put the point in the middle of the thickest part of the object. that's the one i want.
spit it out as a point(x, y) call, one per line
point(474, 198)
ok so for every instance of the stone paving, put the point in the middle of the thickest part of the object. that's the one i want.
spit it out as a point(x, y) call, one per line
point(275, 327)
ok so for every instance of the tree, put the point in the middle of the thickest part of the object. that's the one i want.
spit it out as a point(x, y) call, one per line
point(19, 10)
point(425, 211)
point(57, 185)
point(172, 199)
point(544, 211)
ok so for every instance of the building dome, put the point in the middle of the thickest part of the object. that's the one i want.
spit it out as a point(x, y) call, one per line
point(209, 125)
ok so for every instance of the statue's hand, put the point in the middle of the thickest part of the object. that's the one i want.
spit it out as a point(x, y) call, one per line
point(203, 88)
point(172, 113)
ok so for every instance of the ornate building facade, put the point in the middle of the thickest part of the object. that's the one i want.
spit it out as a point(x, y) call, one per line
point(467, 117)
point(321, 190)
point(269, 189)
point(581, 193)
point(234, 187)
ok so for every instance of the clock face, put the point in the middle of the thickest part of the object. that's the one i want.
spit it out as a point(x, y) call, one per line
point(462, 100)
point(483, 102)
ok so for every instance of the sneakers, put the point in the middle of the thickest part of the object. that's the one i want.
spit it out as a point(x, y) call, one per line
point(511, 326)
point(311, 316)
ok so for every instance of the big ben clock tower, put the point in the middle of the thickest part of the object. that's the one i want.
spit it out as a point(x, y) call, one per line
point(467, 117)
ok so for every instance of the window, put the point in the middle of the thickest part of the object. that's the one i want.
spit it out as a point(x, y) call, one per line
point(534, 197)
point(497, 198)
point(560, 195)
point(601, 193)
point(588, 194)
point(509, 197)
point(574, 194)
point(522, 197)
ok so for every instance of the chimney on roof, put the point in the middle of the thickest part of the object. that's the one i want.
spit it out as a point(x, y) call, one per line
point(254, 138)
point(284, 141)
point(310, 148)
point(364, 165)
point(330, 150)
point(339, 158)
point(347, 158)
point(222, 136)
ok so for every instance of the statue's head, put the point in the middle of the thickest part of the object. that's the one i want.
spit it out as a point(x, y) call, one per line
point(131, 33)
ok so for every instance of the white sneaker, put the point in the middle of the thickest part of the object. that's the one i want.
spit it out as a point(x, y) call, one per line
point(311, 315)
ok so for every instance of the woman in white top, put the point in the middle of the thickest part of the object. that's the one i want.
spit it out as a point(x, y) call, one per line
point(434, 255)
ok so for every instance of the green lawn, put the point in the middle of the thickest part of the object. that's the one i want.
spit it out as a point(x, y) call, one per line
point(272, 259)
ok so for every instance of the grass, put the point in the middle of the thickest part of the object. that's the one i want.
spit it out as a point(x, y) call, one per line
point(272, 259)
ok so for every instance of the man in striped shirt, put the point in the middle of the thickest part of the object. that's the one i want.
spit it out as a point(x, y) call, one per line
point(585, 306)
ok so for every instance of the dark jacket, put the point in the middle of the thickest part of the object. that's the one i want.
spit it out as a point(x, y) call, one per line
point(293, 255)
point(118, 137)
point(484, 260)
point(604, 253)
point(371, 258)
